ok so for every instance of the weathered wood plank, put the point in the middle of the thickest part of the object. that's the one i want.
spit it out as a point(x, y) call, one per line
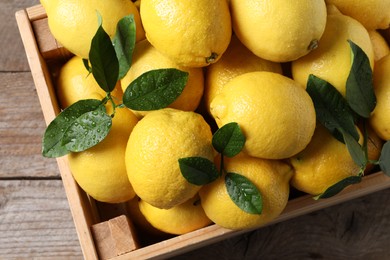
point(358, 229)
point(14, 58)
point(21, 129)
point(35, 221)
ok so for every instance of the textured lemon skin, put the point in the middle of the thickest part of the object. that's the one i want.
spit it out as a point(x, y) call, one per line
point(275, 113)
point(379, 45)
point(380, 117)
point(181, 219)
point(331, 61)
point(279, 30)
point(191, 33)
point(271, 177)
point(373, 14)
point(74, 23)
point(101, 171)
point(147, 58)
point(236, 60)
point(324, 162)
point(156, 144)
point(75, 83)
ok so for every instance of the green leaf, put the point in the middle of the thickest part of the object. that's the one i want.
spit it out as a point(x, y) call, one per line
point(86, 65)
point(339, 186)
point(229, 139)
point(198, 170)
point(52, 140)
point(124, 42)
point(155, 89)
point(87, 130)
point(104, 63)
point(384, 159)
point(355, 150)
point(332, 110)
point(244, 193)
point(360, 90)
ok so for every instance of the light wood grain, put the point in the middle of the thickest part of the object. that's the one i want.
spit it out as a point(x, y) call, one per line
point(35, 221)
point(12, 54)
point(21, 129)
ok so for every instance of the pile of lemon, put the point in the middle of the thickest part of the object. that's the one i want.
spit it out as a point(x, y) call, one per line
point(248, 62)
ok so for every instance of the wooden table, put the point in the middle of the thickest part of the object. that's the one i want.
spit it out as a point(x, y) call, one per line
point(35, 221)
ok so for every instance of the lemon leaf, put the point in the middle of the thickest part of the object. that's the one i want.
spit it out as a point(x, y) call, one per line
point(229, 139)
point(198, 170)
point(124, 42)
point(244, 193)
point(338, 187)
point(87, 130)
point(52, 139)
point(355, 150)
point(155, 89)
point(86, 65)
point(332, 110)
point(104, 63)
point(359, 89)
point(384, 158)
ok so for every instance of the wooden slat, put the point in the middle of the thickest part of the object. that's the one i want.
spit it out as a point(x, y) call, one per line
point(14, 58)
point(21, 129)
point(35, 221)
point(81, 209)
point(114, 237)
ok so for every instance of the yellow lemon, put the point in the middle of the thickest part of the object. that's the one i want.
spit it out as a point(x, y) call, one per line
point(373, 14)
point(147, 233)
point(379, 45)
point(324, 162)
point(235, 61)
point(74, 23)
point(156, 144)
point(271, 178)
point(275, 113)
point(146, 58)
point(75, 82)
point(331, 61)
point(279, 30)
point(180, 219)
point(101, 170)
point(380, 117)
point(191, 33)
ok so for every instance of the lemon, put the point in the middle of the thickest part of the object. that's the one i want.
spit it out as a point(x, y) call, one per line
point(279, 30)
point(380, 117)
point(156, 144)
point(373, 14)
point(180, 219)
point(235, 61)
point(74, 83)
point(379, 45)
point(271, 178)
point(74, 23)
point(101, 170)
point(275, 113)
point(141, 223)
point(191, 33)
point(331, 61)
point(324, 162)
point(146, 58)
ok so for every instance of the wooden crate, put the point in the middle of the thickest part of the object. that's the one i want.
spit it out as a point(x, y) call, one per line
point(105, 231)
